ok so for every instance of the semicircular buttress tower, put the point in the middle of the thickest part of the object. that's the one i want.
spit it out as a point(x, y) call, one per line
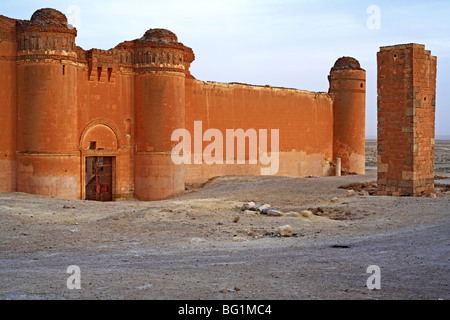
point(348, 90)
point(47, 157)
point(160, 62)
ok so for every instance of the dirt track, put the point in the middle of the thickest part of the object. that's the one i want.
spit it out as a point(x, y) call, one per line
point(185, 247)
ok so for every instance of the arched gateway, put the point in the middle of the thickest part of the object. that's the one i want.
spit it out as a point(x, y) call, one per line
point(99, 144)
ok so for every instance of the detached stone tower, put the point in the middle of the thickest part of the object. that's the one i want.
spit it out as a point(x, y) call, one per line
point(348, 90)
point(406, 117)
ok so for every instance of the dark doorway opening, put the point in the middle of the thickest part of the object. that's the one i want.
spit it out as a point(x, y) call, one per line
point(99, 178)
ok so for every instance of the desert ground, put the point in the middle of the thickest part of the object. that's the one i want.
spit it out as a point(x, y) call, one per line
point(201, 245)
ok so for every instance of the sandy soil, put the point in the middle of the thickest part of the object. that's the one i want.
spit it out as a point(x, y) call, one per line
point(200, 245)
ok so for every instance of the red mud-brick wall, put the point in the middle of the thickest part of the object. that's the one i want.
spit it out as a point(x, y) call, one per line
point(406, 117)
point(304, 120)
point(8, 102)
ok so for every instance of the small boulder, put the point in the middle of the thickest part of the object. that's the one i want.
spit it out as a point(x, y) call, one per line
point(251, 213)
point(334, 199)
point(248, 206)
point(273, 213)
point(291, 214)
point(262, 207)
point(239, 239)
point(350, 193)
point(307, 213)
point(265, 210)
point(285, 231)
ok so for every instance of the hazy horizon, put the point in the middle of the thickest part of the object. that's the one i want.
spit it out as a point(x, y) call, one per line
point(440, 138)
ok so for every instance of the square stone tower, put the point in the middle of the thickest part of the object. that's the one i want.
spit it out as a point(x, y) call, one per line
point(406, 120)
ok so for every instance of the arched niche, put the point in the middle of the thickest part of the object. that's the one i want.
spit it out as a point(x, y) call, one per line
point(99, 136)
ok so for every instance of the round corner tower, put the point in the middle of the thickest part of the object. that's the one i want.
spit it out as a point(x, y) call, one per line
point(348, 91)
point(160, 62)
point(48, 161)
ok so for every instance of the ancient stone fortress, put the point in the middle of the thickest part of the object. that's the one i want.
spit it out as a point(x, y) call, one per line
point(97, 124)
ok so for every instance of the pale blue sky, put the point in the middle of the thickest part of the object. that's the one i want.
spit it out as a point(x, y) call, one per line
point(287, 43)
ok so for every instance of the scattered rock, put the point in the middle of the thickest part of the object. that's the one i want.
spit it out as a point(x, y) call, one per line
point(317, 211)
point(262, 207)
point(307, 213)
point(363, 193)
point(291, 214)
point(370, 187)
point(273, 213)
point(255, 234)
point(251, 213)
point(248, 206)
point(350, 193)
point(334, 199)
point(236, 219)
point(337, 213)
point(239, 239)
point(264, 211)
point(250, 233)
point(285, 231)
